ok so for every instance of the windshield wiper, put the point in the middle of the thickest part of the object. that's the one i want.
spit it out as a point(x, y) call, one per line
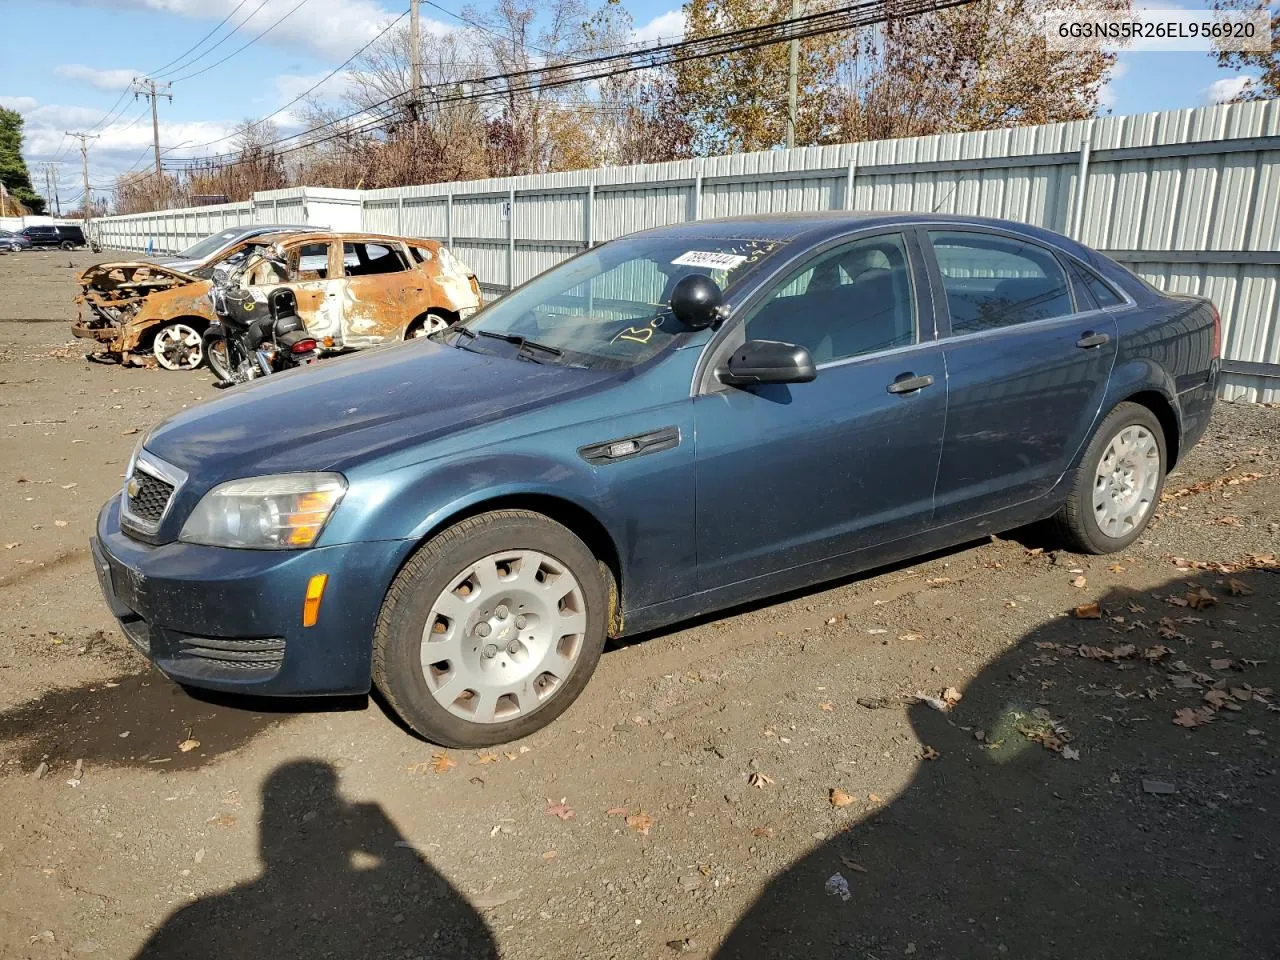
point(522, 342)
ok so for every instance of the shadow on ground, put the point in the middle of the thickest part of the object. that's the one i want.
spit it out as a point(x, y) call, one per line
point(337, 880)
point(140, 720)
point(1161, 840)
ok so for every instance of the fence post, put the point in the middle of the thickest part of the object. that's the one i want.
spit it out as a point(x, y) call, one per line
point(1082, 180)
point(591, 213)
point(448, 219)
point(511, 239)
point(697, 195)
point(848, 184)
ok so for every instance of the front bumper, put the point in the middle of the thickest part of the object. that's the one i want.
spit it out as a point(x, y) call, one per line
point(231, 620)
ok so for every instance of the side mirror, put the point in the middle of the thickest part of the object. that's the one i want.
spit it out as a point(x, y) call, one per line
point(767, 361)
point(696, 301)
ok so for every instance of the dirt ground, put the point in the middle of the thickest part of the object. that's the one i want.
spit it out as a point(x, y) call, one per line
point(760, 784)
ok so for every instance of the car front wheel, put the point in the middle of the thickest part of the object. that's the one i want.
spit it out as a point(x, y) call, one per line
point(492, 629)
point(178, 346)
point(1118, 483)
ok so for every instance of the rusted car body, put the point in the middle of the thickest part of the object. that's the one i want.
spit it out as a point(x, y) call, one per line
point(354, 290)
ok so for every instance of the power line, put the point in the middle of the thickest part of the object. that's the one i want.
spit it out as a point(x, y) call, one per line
point(231, 33)
point(557, 75)
point(325, 79)
point(158, 71)
point(246, 46)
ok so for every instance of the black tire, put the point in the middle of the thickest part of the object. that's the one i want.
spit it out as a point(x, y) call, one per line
point(67, 245)
point(420, 327)
point(397, 641)
point(213, 357)
point(1075, 521)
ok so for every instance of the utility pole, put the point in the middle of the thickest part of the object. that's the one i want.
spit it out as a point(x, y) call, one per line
point(51, 176)
point(793, 69)
point(145, 87)
point(84, 139)
point(415, 62)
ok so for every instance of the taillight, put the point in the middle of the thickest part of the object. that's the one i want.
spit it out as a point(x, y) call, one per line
point(304, 346)
point(1217, 332)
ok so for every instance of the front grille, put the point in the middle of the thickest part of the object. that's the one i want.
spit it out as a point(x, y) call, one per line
point(151, 495)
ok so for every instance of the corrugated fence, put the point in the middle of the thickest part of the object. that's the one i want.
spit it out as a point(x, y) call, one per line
point(1189, 199)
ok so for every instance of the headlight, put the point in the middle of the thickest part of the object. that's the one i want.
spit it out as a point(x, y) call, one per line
point(284, 512)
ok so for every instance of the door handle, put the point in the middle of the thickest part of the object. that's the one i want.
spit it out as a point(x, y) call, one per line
point(1093, 340)
point(910, 383)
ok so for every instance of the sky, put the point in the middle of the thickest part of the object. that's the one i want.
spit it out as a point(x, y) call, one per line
point(77, 59)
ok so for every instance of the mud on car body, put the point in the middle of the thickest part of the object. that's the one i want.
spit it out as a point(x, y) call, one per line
point(354, 290)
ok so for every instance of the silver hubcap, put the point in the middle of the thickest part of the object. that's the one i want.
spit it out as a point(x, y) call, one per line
point(504, 636)
point(1124, 486)
point(429, 326)
point(177, 347)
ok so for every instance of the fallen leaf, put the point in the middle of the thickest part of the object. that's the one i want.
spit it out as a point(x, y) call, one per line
point(938, 581)
point(68, 486)
point(856, 867)
point(1080, 582)
point(1088, 611)
point(640, 823)
point(928, 753)
point(1199, 598)
point(1116, 568)
point(558, 809)
point(549, 855)
point(1221, 664)
point(874, 798)
point(1238, 589)
point(60, 523)
point(1216, 698)
point(616, 811)
point(128, 433)
point(223, 820)
point(825, 707)
point(951, 696)
point(839, 798)
point(1070, 753)
point(187, 745)
point(442, 762)
point(1157, 652)
point(760, 780)
point(10, 546)
point(485, 758)
point(1189, 717)
point(762, 831)
point(911, 637)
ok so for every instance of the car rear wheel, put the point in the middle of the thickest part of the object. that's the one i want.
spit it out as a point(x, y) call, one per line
point(67, 245)
point(178, 346)
point(1118, 483)
point(492, 629)
point(427, 324)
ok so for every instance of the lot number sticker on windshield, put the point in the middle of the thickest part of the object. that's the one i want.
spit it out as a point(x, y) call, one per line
point(708, 258)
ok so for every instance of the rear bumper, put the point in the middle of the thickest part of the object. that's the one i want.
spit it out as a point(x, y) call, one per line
point(1196, 408)
point(231, 620)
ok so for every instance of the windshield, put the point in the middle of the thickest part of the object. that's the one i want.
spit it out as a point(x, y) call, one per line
point(202, 248)
point(609, 308)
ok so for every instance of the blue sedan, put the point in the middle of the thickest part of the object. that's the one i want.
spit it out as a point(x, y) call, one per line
point(681, 420)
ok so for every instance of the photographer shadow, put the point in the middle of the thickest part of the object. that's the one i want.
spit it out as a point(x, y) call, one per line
point(338, 880)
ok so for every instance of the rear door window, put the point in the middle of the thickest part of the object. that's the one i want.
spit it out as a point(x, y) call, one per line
point(309, 262)
point(368, 259)
point(992, 281)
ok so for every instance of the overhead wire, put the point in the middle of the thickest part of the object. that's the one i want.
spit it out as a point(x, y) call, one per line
point(557, 75)
point(231, 33)
point(294, 9)
point(159, 71)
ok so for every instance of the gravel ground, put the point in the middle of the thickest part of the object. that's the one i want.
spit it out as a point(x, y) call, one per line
point(764, 783)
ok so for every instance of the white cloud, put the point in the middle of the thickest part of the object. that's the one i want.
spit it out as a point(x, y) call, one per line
point(113, 80)
point(1107, 95)
point(1228, 88)
point(665, 26)
point(21, 104)
point(330, 29)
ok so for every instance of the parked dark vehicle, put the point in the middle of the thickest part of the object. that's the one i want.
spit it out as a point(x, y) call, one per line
point(255, 333)
point(13, 242)
point(62, 236)
point(683, 419)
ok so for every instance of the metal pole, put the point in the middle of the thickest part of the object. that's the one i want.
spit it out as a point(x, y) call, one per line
point(511, 240)
point(1077, 219)
point(697, 196)
point(591, 213)
point(792, 70)
point(415, 61)
point(448, 219)
point(848, 184)
point(84, 139)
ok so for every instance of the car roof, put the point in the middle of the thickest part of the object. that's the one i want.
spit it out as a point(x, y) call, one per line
point(315, 236)
point(815, 227)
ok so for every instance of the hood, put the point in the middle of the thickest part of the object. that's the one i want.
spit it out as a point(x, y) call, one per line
point(341, 413)
point(131, 278)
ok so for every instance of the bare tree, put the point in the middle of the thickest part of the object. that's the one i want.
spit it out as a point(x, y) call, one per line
point(1267, 63)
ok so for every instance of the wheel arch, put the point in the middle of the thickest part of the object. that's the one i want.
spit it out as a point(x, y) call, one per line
point(573, 516)
point(1164, 410)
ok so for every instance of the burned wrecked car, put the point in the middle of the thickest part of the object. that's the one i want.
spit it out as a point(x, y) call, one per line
point(353, 291)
